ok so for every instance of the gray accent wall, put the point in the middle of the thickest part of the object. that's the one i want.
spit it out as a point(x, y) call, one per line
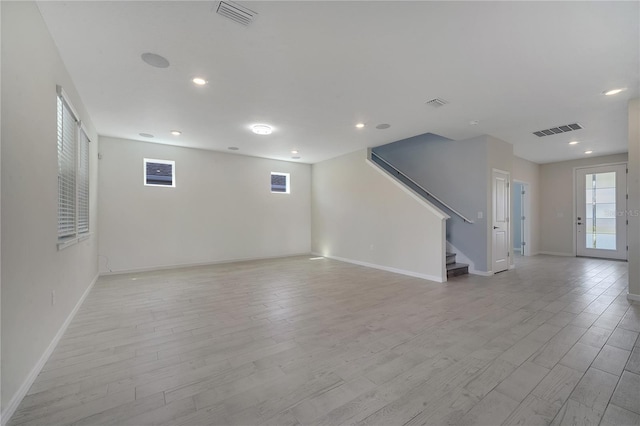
point(459, 174)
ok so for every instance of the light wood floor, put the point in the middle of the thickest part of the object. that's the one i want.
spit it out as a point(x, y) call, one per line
point(320, 342)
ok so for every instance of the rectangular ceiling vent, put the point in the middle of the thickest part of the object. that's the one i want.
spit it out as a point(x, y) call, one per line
point(236, 12)
point(557, 130)
point(436, 102)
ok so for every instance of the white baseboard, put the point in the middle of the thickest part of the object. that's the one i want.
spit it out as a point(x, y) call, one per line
point(634, 297)
point(481, 273)
point(554, 253)
point(15, 401)
point(192, 265)
point(385, 268)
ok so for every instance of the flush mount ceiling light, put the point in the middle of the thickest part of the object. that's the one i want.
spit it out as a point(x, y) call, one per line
point(155, 60)
point(146, 135)
point(614, 91)
point(261, 129)
point(176, 132)
point(588, 152)
point(360, 125)
point(199, 81)
point(383, 126)
point(574, 143)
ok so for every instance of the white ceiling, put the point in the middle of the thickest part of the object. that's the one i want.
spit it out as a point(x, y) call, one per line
point(315, 69)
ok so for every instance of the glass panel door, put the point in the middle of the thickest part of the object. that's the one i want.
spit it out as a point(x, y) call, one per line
point(601, 204)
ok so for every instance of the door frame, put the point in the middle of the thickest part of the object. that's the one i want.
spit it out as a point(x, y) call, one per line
point(526, 225)
point(575, 200)
point(508, 220)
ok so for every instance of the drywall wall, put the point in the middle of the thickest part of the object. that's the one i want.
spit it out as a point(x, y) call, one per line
point(556, 202)
point(32, 266)
point(362, 215)
point(221, 209)
point(529, 172)
point(499, 157)
point(633, 181)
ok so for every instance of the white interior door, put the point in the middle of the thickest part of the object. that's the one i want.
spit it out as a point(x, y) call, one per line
point(601, 203)
point(500, 225)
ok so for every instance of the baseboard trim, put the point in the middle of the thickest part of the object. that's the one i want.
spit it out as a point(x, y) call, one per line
point(481, 273)
point(384, 268)
point(17, 398)
point(192, 265)
point(633, 297)
point(555, 253)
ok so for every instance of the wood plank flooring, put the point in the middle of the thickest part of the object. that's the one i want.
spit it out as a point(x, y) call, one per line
point(320, 342)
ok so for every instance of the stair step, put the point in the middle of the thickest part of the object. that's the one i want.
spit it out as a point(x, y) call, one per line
point(451, 258)
point(456, 269)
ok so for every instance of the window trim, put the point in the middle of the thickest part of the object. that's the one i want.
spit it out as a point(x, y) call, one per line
point(152, 160)
point(288, 183)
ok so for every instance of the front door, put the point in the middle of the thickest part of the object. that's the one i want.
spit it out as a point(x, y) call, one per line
point(601, 202)
point(500, 225)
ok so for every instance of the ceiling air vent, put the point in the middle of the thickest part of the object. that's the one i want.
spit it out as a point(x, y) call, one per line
point(557, 130)
point(236, 12)
point(436, 102)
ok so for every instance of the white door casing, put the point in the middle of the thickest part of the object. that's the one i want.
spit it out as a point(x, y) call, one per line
point(500, 221)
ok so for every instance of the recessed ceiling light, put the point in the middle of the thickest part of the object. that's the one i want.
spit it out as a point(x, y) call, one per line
point(233, 148)
point(360, 125)
point(261, 129)
point(146, 135)
point(474, 122)
point(614, 91)
point(383, 126)
point(155, 60)
point(294, 151)
point(176, 132)
point(574, 143)
point(588, 152)
point(199, 81)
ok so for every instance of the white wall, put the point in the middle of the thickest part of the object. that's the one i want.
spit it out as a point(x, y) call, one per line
point(526, 171)
point(222, 208)
point(556, 202)
point(634, 199)
point(361, 215)
point(32, 267)
point(499, 157)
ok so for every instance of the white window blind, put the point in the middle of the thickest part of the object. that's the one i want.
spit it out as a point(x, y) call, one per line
point(73, 174)
point(67, 126)
point(83, 183)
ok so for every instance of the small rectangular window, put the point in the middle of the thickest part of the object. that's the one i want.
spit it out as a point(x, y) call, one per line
point(280, 183)
point(159, 173)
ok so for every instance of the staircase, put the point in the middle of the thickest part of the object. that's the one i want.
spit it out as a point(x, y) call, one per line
point(455, 269)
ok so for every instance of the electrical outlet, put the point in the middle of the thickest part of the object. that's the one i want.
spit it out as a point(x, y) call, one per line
point(53, 297)
point(480, 215)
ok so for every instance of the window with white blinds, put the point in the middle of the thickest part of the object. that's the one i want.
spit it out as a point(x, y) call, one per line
point(83, 183)
point(73, 173)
